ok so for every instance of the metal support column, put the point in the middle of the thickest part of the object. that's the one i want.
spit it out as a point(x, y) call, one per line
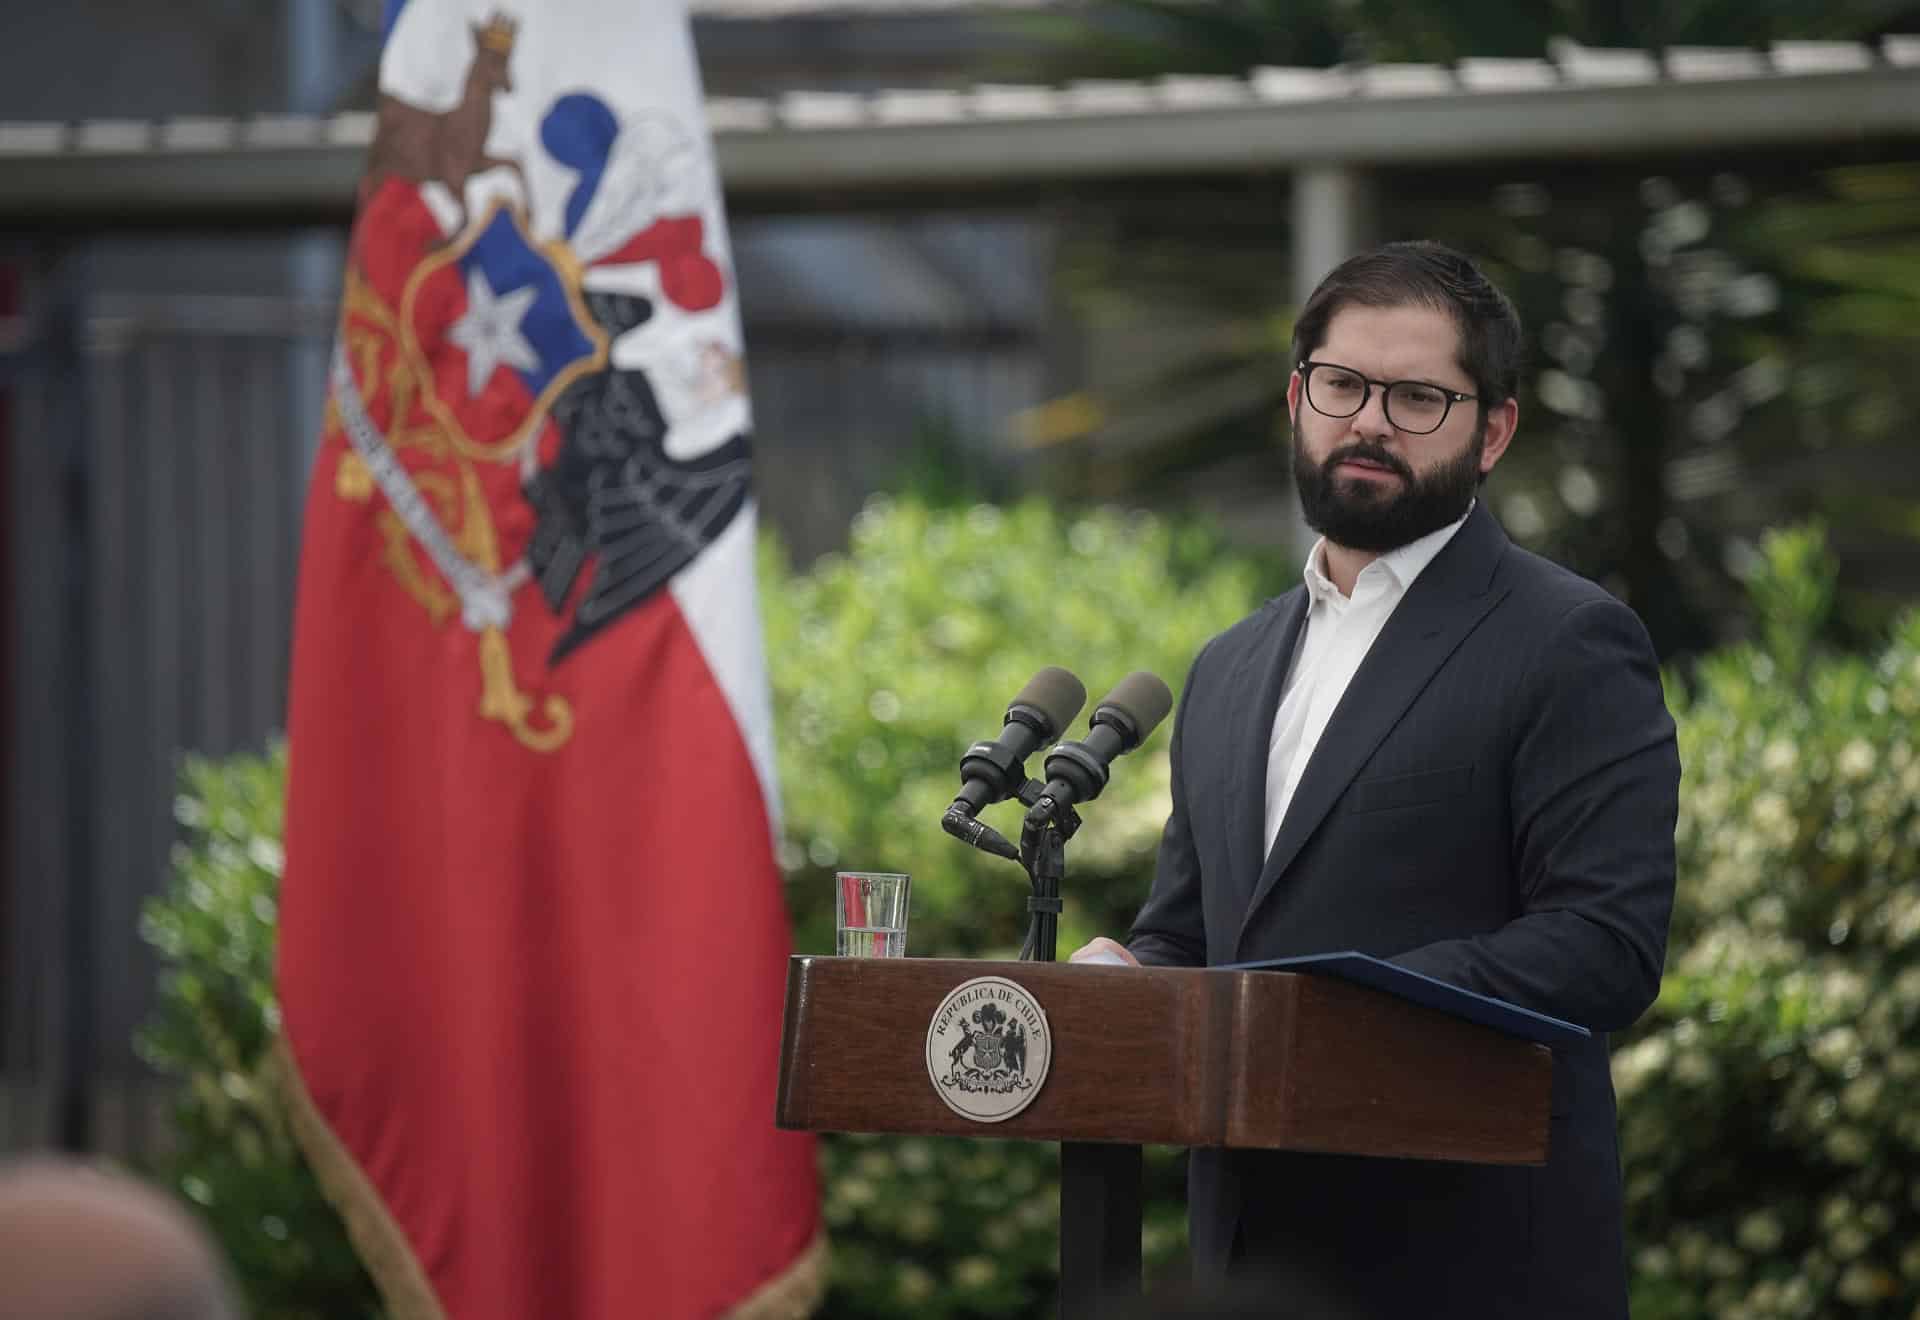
point(1333, 218)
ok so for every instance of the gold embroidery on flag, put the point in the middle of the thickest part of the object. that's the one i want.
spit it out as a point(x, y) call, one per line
point(396, 545)
point(351, 480)
point(477, 540)
point(502, 699)
point(451, 510)
point(366, 344)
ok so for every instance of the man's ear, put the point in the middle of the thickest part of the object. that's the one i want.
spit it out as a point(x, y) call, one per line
point(1503, 419)
point(1293, 397)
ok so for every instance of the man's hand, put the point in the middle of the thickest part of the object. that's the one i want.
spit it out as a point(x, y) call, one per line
point(1100, 949)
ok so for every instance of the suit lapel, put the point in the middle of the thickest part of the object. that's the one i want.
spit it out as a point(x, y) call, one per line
point(1262, 670)
point(1445, 604)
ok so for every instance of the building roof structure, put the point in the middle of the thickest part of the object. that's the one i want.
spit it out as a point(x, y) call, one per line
point(1579, 102)
point(761, 9)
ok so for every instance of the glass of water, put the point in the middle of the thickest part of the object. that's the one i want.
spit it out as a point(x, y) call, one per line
point(871, 907)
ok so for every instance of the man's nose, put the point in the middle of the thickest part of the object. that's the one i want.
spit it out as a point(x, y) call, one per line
point(1372, 419)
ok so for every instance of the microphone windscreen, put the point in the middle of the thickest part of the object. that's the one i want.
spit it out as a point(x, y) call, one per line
point(1142, 698)
point(1056, 694)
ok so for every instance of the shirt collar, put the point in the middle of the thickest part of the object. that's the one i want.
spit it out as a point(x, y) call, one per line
point(1403, 565)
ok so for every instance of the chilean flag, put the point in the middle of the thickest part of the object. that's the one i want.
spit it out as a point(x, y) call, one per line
point(532, 935)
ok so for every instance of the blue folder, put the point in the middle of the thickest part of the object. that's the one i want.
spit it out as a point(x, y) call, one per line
point(1420, 989)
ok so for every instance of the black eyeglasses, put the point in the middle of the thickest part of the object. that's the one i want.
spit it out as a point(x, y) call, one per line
point(1412, 406)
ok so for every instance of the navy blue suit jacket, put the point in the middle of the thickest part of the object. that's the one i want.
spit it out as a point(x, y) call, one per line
point(1492, 803)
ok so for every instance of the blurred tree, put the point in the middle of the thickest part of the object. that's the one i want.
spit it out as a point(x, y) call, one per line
point(1711, 363)
point(1847, 247)
point(1712, 356)
point(1139, 38)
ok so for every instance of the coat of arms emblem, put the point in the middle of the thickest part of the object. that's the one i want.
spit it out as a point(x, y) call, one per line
point(538, 378)
point(988, 1049)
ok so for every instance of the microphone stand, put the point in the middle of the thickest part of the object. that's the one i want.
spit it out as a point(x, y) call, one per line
point(1042, 855)
point(1043, 852)
point(1100, 1198)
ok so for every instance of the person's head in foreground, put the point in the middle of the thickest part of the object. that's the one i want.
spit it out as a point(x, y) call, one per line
point(78, 1243)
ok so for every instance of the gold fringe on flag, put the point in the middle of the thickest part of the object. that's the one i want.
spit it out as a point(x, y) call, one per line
point(796, 1292)
point(382, 1247)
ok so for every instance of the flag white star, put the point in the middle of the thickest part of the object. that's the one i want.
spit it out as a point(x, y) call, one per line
point(490, 331)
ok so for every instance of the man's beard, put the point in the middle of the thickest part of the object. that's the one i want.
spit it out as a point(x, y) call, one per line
point(1363, 515)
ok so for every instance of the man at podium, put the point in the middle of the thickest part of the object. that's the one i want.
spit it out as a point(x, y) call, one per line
point(1441, 750)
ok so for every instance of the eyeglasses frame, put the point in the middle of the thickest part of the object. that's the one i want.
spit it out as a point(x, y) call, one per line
point(1306, 365)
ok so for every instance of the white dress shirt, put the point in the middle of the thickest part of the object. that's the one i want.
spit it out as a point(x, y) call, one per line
point(1338, 632)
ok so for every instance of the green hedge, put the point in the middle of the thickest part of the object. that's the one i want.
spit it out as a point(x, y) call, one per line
point(234, 1158)
point(1767, 1102)
point(889, 660)
point(1771, 1100)
point(886, 662)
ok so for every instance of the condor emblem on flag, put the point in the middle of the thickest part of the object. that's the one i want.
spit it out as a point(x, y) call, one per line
point(530, 743)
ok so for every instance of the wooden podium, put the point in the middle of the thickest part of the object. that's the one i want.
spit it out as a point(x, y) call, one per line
point(1157, 1055)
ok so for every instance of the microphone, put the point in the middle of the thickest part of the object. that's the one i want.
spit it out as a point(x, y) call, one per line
point(1077, 771)
point(993, 771)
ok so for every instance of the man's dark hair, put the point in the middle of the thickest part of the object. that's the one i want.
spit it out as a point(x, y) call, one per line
point(1426, 274)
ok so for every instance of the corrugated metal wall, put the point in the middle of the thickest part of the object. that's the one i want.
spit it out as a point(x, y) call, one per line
point(155, 494)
